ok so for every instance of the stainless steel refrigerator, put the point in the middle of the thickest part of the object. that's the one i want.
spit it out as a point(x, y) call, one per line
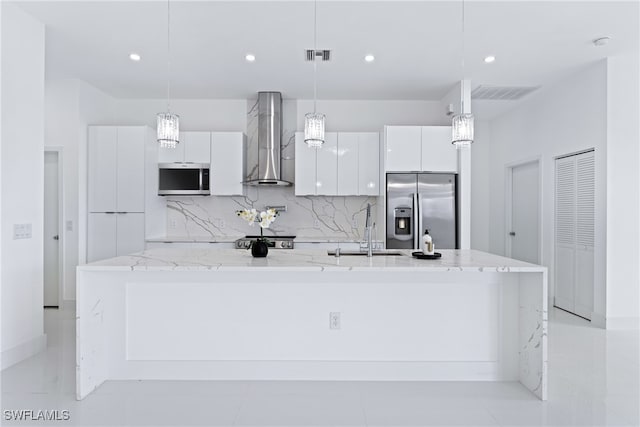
point(419, 201)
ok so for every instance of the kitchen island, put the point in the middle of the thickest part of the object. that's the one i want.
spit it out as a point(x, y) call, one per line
point(202, 314)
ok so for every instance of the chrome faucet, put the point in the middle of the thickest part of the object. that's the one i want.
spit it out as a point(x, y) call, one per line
point(367, 231)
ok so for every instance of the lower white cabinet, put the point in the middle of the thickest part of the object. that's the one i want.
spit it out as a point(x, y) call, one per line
point(114, 234)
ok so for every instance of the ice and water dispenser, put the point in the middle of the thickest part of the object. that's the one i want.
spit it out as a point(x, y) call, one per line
point(403, 216)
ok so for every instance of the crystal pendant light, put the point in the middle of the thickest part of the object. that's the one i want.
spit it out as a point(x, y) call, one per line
point(462, 124)
point(168, 124)
point(314, 122)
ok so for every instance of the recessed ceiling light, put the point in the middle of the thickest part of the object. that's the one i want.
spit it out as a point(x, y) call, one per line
point(601, 41)
point(489, 59)
point(250, 57)
point(369, 58)
point(134, 57)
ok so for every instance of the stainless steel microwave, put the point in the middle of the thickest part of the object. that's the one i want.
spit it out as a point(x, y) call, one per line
point(183, 179)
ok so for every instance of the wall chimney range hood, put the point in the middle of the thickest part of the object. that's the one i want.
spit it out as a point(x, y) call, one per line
point(269, 141)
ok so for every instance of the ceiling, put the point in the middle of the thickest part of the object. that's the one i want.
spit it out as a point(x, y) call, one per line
point(417, 45)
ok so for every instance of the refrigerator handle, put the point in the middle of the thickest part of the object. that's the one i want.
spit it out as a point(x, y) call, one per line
point(416, 220)
point(420, 224)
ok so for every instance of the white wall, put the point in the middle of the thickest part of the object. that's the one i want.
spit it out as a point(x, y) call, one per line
point(623, 198)
point(595, 108)
point(480, 183)
point(195, 114)
point(362, 116)
point(566, 117)
point(70, 106)
point(22, 184)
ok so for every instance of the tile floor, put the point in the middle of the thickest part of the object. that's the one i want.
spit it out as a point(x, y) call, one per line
point(593, 380)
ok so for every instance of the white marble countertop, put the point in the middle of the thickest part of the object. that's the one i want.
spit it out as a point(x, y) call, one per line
point(232, 239)
point(193, 239)
point(184, 259)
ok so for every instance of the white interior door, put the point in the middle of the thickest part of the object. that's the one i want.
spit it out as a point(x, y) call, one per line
point(525, 209)
point(51, 232)
point(574, 233)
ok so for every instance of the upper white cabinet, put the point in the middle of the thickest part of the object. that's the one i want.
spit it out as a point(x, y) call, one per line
point(327, 166)
point(420, 148)
point(369, 163)
point(227, 160)
point(346, 165)
point(438, 153)
point(194, 147)
point(305, 168)
point(197, 147)
point(403, 148)
point(116, 168)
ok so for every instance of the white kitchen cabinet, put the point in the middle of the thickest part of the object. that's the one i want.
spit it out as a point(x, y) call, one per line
point(368, 164)
point(130, 170)
point(438, 154)
point(348, 163)
point(173, 155)
point(327, 166)
point(194, 147)
point(403, 148)
point(102, 168)
point(114, 234)
point(101, 236)
point(197, 147)
point(227, 163)
point(129, 233)
point(116, 168)
point(420, 148)
point(305, 168)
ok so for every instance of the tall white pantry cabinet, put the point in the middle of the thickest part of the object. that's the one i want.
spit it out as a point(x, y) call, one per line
point(116, 191)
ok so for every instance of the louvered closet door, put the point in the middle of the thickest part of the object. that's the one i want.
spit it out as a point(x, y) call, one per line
point(574, 233)
point(585, 226)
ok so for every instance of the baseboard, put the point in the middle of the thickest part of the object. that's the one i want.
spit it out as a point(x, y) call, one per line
point(623, 323)
point(23, 351)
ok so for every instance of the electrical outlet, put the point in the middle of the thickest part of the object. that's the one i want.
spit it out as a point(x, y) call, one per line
point(334, 320)
point(221, 224)
point(173, 223)
point(316, 223)
point(354, 223)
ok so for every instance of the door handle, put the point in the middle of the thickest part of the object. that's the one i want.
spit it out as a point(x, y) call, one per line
point(56, 237)
point(512, 233)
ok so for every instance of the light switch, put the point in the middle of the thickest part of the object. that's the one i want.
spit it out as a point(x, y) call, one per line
point(21, 231)
point(69, 225)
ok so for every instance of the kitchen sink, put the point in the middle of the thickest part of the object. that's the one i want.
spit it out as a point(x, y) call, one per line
point(332, 252)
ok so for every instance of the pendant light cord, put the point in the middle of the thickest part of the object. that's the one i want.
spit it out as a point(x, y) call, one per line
point(462, 84)
point(168, 55)
point(315, 58)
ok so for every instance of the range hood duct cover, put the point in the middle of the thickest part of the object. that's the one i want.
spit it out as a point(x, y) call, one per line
point(269, 140)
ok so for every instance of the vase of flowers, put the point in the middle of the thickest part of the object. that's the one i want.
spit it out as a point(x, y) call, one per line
point(260, 246)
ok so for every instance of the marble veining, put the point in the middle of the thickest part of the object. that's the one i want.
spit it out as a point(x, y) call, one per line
point(320, 217)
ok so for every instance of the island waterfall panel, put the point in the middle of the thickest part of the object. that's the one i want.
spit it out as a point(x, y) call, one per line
point(223, 315)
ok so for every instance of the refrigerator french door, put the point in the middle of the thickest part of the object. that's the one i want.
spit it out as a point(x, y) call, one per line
point(420, 201)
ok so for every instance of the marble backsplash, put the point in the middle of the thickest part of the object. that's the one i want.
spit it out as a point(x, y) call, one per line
point(308, 216)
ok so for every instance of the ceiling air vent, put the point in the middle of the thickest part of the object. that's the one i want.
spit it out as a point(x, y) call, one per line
point(502, 93)
point(311, 54)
